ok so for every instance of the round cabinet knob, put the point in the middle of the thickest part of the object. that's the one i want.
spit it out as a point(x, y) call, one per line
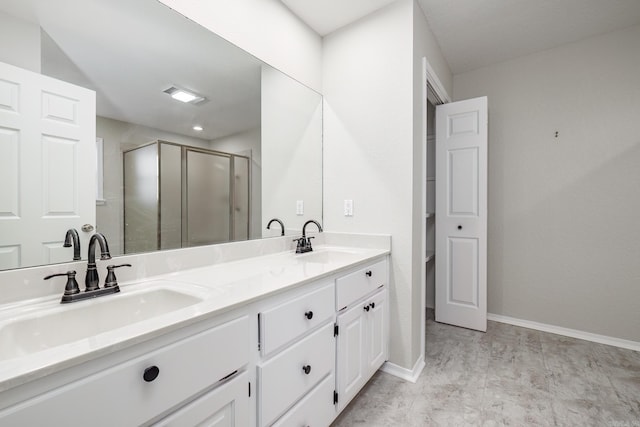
point(373, 305)
point(306, 369)
point(366, 308)
point(309, 315)
point(459, 227)
point(368, 273)
point(151, 373)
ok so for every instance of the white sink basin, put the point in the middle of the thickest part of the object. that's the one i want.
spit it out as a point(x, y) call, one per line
point(329, 256)
point(72, 322)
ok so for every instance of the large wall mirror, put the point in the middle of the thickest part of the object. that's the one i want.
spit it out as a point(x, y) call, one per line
point(187, 141)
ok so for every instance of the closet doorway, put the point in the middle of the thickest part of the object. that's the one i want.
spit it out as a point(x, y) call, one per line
point(455, 207)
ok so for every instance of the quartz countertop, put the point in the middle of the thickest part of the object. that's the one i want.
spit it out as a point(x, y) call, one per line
point(221, 287)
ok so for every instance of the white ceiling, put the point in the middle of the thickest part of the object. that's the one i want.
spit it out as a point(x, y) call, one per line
point(326, 16)
point(476, 33)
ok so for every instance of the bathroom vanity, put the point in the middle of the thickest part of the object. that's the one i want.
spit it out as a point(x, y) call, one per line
point(280, 339)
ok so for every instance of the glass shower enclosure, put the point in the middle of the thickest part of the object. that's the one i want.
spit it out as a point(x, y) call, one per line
point(178, 196)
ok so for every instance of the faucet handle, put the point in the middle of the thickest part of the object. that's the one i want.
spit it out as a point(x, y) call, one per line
point(301, 244)
point(111, 280)
point(309, 247)
point(72, 287)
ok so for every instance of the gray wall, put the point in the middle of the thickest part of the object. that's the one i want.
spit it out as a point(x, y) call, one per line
point(564, 234)
point(19, 43)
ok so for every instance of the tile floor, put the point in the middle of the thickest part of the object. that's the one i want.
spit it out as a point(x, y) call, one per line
point(508, 376)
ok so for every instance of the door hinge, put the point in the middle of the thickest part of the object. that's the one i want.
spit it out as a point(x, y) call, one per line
point(259, 333)
point(335, 330)
point(335, 397)
point(249, 388)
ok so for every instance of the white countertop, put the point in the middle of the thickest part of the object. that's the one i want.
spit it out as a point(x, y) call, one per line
point(222, 287)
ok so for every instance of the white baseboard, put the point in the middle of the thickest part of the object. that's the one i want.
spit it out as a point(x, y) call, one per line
point(404, 373)
point(559, 330)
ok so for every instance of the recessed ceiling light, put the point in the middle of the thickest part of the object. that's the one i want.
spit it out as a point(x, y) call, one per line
point(185, 96)
point(198, 128)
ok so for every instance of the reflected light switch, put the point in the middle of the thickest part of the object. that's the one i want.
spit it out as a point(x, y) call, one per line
point(299, 207)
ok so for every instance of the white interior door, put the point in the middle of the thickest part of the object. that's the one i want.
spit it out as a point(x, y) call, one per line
point(47, 166)
point(461, 213)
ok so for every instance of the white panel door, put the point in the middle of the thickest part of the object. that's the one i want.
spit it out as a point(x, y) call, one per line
point(47, 166)
point(461, 213)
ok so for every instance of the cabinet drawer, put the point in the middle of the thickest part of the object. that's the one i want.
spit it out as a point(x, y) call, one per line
point(121, 396)
point(282, 380)
point(316, 409)
point(354, 286)
point(292, 319)
point(227, 405)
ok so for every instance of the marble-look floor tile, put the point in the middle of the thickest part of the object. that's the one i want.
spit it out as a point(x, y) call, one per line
point(587, 412)
point(521, 365)
point(508, 376)
point(527, 409)
point(384, 401)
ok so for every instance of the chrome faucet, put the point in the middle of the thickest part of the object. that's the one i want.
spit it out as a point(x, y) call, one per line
point(304, 242)
point(72, 237)
point(92, 280)
point(279, 222)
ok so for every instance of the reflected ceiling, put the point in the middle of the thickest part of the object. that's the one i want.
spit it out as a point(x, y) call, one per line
point(177, 48)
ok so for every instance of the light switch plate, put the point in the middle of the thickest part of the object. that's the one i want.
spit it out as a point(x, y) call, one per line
point(348, 207)
point(299, 207)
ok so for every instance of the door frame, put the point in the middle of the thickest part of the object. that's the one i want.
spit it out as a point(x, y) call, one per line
point(429, 78)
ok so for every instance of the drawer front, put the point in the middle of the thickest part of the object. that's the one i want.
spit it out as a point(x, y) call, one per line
point(224, 406)
point(354, 286)
point(121, 396)
point(316, 409)
point(294, 318)
point(283, 380)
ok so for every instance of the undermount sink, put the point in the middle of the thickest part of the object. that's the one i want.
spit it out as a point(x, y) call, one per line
point(68, 323)
point(329, 256)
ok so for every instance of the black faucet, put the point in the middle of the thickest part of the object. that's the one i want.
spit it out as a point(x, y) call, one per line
point(92, 280)
point(72, 237)
point(304, 242)
point(279, 222)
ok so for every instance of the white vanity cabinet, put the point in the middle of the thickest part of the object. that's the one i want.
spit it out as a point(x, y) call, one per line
point(362, 329)
point(295, 373)
point(292, 357)
point(143, 389)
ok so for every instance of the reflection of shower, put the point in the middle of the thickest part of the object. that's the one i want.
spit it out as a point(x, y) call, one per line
point(178, 196)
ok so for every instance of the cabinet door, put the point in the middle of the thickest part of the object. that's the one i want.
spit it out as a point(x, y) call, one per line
point(224, 406)
point(351, 370)
point(376, 352)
